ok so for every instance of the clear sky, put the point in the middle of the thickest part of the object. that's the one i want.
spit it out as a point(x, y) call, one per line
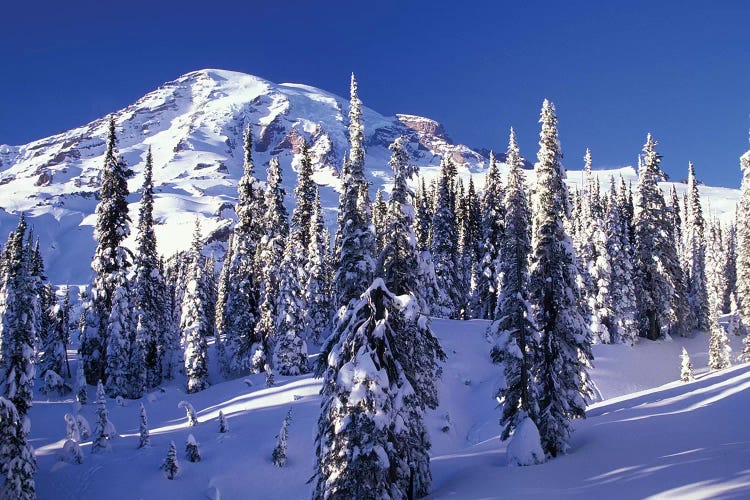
point(615, 69)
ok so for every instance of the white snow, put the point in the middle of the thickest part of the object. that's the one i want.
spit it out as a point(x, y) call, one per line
point(643, 438)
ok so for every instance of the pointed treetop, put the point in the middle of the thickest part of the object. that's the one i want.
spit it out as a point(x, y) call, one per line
point(587, 162)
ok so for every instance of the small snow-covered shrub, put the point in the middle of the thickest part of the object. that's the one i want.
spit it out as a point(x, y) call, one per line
point(525, 447)
point(71, 453)
point(190, 413)
point(54, 384)
point(191, 449)
point(223, 425)
point(171, 466)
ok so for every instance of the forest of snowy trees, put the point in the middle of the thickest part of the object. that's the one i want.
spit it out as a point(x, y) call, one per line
point(553, 271)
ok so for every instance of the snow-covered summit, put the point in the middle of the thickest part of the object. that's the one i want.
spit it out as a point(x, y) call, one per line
point(194, 127)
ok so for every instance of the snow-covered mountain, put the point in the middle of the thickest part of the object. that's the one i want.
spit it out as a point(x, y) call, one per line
point(194, 126)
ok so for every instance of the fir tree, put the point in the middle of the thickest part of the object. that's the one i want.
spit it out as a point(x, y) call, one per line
point(355, 236)
point(290, 349)
point(660, 283)
point(686, 368)
point(516, 337)
point(223, 424)
point(110, 258)
point(716, 281)
point(450, 286)
point(145, 437)
point(492, 227)
point(192, 452)
point(304, 196)
point(318, 279)
point(194, 323)
point(623, 325)
point(17, 462)
point(269, 258)
point(81, 387)
point(423, 221)
point(171, 466)
point(242, 308)
point(104, 430)
point(125, 368)
point(719, 350)
point(565, 338)
point(18, 312)
point(730, 268)
point(279, 452)
point(149, 287)
point(743, 241)
point(189, 413)
point(362, 449)
point(695, 250)
point(379, 215)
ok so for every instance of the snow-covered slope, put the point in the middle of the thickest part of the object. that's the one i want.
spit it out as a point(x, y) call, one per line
point(194, 126)
point(680, 440)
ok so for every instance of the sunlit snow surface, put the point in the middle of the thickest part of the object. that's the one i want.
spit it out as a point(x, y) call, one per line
point(675, 440)
point(194, 126)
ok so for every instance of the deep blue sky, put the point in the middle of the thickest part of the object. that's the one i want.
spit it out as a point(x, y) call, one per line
point(615, 69)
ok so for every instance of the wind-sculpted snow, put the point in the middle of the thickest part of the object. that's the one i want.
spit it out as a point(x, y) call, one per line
point(194, 126)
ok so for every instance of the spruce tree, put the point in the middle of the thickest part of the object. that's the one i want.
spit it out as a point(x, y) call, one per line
point(451, 288)
point(423, 220)
point(564, 385)
point(695, 250)
point(125, 372)
point(318, 279)
point(730, 268)
point(269, 260)
point(290, 349)
point(304, 196)
point(18, 313)
point(513, 330)
point(716, 281)
point(149, 288)
point(171, 466)
point(110, 257)
point(242, 308)
point(355, 235)
point(81, 387)
point(743, 241)
point(623, 325)
point(686, 368)
point(223, 425)
point(17, 462)
point(145, 437)
point(361, 451)
point(492, 228)
point(104, 430)
point(192, 452)
point(279, 452)
point(194, 324)
point(660, 283)
point(719, 350)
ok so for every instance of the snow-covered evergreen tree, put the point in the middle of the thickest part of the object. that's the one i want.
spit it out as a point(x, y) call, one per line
point(695, 256)
point(730, 268)
point(318, 279)
point(195, 324)
point(279, 451)
point(269, 260)
point(18, 313)
point(81, 386)
point(54, 351)
point(189, 413)
point(104, 430)
point(109, 257)
point(686, 368)
point(716, 281)
point(379, 215)
point(192, 452)
point(660, 282)
point(623, 326)
point(17, 462)
point(144, 436)
point(451, 288)
point(423, 217)
point(719, 350)
point(743, 241)
point(513, 330)
point(564, 385)
point(356, 235)
point(223, 425)
point(125, 368)
point(362, 444)
point(289, 347)
point(149, 288)
point(171, 466)
point(492, 227)
point(241, 311)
